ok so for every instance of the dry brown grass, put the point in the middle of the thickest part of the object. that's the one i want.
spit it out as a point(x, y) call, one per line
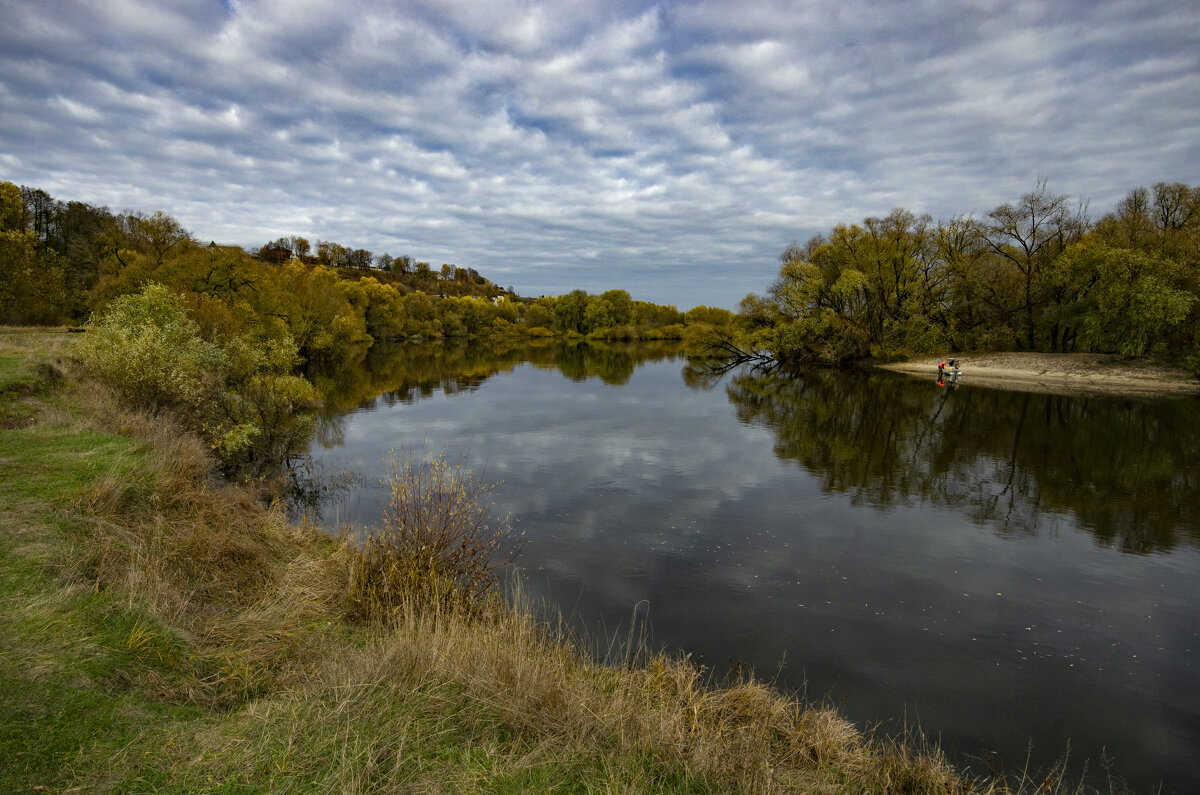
point(435, 545)
point(37, 341)
point(656, 724)
point(438, 703)
point(234, 577)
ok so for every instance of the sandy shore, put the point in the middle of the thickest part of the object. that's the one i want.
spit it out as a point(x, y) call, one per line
point(1060, 373)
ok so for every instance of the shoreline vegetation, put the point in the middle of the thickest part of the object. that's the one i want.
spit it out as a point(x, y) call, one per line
point(1031, 276)
point(166, 631)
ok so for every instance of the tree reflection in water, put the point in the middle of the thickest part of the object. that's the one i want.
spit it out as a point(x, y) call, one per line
point(404, 373)
point(1123, 468)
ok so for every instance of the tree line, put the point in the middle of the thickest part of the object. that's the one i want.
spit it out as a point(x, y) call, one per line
point(403, 271)
point(1031, 275)
point(61, 261)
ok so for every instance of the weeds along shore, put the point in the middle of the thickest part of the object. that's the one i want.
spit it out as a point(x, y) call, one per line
point(167, 632)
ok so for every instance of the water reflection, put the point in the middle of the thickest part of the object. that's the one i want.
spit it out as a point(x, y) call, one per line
point(403, 373)
point(1017, 460)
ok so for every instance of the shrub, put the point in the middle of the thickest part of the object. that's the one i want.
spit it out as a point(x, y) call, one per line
point(146, 347)
point(435, 546)
point(703, 340)
point(674, 331)
point(267, 418)
point(618, 333)
point(504, 328)
point(238, 394)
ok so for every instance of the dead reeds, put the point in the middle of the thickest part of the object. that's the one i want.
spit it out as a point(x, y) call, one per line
point(435, 544)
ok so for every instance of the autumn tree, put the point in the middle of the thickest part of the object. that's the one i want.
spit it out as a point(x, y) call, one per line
point(359, 259)
point(611, 308)
point(1127, 300)
point(40, 213)
point(331, 254)
point(299, 245)
point(277, 251)
point(1029, 234)
point(1176, 213)
point(541, 314)
point(32, 276)
point(571, 311)
point(162, 234)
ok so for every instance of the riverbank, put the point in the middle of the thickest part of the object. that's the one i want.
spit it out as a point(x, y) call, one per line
point(165, 631)
point(1061, 373)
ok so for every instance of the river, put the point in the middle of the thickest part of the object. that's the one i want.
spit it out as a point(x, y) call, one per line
point(1014, 573)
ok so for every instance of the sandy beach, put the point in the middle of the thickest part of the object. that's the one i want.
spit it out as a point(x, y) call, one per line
point(1060, 373)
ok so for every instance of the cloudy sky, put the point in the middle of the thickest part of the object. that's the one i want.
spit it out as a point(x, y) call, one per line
point(669, 148)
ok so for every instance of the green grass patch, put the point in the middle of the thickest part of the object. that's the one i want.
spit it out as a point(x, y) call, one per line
point(12, 373)
point(71, 707)
point(17, 382)
point(75, 664)
point(30, 367)
point(56, 464)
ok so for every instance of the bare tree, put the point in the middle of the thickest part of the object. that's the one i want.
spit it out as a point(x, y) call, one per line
point(1029, 234)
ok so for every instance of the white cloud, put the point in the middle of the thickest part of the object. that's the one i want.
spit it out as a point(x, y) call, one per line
point(671, 149)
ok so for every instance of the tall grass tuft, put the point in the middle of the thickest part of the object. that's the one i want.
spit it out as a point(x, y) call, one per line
point(436, 545)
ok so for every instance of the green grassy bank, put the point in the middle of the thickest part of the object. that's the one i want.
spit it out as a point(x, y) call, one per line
point(165, 632)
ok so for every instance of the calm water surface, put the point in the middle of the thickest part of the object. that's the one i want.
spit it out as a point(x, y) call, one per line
point(1016, 573)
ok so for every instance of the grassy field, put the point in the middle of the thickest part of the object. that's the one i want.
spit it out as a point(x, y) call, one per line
point(165, 632)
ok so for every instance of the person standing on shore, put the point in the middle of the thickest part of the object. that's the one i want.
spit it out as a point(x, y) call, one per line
point(943, 364)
